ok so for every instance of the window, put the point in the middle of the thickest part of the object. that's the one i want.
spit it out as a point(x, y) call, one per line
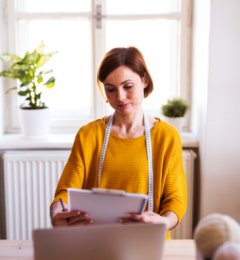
point(82, 31)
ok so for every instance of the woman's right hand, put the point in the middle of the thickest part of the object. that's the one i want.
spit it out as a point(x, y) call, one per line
point(68, 218)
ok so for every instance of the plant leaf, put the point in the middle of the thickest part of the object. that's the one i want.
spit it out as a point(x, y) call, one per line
point(10, 57)
point(23, 93)
point(39, 79)
point(20, 66)
point(10, 74)
point(44, 59)
point(45, 72)
point(175, 107)
point(50, 83)
point(40, 48)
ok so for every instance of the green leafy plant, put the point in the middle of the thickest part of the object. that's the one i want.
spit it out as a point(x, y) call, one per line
point(33, 78)
point(176, 107)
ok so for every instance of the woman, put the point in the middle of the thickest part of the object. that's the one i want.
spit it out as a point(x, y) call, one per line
point(139, 154)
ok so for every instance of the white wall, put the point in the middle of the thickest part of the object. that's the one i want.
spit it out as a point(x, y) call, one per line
point(2, 32)
point(216, 80)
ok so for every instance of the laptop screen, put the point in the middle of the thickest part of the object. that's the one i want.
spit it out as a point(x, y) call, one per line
point(100, 242)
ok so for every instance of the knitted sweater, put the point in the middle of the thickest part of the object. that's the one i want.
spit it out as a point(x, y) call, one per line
point(126, 166)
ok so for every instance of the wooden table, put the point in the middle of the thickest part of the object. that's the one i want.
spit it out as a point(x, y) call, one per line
point(23, 250)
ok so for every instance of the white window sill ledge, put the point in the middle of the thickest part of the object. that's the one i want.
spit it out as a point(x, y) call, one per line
point(63, 141)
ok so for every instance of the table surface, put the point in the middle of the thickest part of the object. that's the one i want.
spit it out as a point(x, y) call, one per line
point(23, 250)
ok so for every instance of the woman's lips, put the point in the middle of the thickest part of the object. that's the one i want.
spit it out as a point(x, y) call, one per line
point(122, 106)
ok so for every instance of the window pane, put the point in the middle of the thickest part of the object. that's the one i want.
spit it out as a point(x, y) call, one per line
point(54, 5)
point(159, 45)
point(75, 96)
point(72, 64)
point(142, 6)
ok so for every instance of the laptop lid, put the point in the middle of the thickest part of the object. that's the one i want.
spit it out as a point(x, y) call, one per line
point(100, 242)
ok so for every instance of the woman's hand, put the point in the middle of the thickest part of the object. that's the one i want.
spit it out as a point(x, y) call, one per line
point(169, 218)
point(68, 218)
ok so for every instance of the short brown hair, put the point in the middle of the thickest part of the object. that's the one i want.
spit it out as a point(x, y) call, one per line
point(130, 57)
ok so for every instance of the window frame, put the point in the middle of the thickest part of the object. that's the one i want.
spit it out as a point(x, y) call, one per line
point(10, 24)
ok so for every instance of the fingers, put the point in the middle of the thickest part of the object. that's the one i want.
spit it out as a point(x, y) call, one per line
point(80, 221)
point(133, 217)
point(146, 217)
point(70, 218)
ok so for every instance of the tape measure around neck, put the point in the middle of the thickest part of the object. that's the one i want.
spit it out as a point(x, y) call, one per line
point(149, 156)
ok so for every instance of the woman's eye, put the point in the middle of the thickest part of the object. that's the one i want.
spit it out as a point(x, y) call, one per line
point(128, 86)
point(109, 89)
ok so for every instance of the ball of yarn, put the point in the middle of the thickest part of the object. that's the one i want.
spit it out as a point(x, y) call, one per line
point(228, 250)
point(214, 230)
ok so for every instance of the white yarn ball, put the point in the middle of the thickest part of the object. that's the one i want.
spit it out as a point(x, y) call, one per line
point(228, 250)
point(214, 230)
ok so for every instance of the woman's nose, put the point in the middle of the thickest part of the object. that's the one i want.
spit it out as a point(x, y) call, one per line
point(121, 95)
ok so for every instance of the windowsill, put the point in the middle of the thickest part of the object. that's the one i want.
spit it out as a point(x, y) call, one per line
point(51, 141)
point(189, 140)
point(63, 141)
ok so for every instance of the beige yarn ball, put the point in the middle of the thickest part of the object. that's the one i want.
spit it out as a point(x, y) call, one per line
point(228, 250)
point(214, 230)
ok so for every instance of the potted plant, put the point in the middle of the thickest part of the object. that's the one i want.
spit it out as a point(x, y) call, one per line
point(34, 114)
point(174, 111)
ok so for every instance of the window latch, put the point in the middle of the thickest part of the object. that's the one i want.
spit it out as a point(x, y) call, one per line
point(99, 16)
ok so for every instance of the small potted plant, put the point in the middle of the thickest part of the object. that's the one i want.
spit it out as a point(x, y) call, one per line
point(174, 111)
point(34, 114)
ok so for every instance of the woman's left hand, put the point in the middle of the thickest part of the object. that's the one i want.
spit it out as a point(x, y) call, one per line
point(169, 218)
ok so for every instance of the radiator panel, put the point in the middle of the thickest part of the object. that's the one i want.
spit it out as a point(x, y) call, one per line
point(184, 229)
point(30, 182)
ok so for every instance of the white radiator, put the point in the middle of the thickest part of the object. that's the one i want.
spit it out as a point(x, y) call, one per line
point(30, 182)
point(184, 229)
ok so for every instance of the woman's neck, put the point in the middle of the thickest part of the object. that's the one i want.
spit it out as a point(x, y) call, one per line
point(128, 126)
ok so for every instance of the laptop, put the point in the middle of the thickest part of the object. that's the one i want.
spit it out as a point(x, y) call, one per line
point(135, 241)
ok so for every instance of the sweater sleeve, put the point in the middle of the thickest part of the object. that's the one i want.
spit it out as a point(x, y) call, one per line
point(175, 188)
point(73, 173)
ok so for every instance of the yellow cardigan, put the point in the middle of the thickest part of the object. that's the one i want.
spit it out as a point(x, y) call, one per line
point(126, 167)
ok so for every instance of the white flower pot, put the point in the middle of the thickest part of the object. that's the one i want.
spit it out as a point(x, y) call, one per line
point(177, 122)
point(34, 122)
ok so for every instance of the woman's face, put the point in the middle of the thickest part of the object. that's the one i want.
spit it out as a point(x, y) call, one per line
point(124, 90)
